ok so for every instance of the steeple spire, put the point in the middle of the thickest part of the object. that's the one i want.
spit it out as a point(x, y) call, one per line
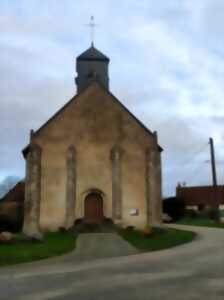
point(91, 65)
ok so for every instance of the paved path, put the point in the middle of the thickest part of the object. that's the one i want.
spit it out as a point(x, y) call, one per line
point(188, 272)
point(101, 245)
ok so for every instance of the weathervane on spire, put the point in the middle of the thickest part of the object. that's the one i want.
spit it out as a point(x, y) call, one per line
point(92, 26)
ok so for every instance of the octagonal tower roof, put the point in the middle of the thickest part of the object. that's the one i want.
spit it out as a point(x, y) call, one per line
point(93, 54)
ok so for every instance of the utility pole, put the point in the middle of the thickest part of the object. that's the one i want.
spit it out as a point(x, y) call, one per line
point(215, 202)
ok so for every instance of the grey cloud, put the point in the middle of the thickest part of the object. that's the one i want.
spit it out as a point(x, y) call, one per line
point(164, 68)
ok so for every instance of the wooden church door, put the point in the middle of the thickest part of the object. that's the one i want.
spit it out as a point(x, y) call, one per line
point(93, 208)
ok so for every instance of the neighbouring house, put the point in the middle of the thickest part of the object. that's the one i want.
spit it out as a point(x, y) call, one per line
point(201, 196)
point(92, 160)
point(15, 194)
point(12, 207)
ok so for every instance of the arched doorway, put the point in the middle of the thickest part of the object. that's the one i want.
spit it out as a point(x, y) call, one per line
point(93, 208)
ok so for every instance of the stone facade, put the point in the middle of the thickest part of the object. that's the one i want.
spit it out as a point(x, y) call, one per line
point(92, 144)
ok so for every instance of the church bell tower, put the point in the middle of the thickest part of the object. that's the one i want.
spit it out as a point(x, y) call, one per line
point(91, 65)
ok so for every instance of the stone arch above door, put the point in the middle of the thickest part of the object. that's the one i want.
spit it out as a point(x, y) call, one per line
point(93, 190)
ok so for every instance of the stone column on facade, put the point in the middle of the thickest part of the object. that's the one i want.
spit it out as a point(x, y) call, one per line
point(159, 203)
point(31, 226)
point(116, 156)
point(70, 186)
point(153, 187)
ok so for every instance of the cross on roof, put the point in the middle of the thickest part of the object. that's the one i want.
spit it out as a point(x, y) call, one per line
point(92, 26)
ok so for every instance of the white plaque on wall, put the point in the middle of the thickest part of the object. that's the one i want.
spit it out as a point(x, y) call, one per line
point(134, 212)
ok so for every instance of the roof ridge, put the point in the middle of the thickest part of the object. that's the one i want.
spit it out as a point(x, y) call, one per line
point(76, 96)
point(92, 53)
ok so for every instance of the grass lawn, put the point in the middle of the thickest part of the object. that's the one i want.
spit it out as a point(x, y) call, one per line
point(160, 238)
point(197, 221)
point(19, 251)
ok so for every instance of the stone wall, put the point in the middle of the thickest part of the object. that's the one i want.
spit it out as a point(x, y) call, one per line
point(31, 225)
point(109, 155)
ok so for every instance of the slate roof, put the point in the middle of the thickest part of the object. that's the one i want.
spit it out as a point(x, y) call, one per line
point(15, 194)
point(93, 54)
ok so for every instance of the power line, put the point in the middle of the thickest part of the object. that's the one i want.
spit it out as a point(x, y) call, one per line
point(199, 168)
point(196, 153)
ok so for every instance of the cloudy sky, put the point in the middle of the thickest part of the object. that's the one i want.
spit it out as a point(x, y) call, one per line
point(167, 67)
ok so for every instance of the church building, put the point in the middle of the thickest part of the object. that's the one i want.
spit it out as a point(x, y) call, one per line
point(93, 160)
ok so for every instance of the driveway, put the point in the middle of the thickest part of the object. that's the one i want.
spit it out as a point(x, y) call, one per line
point(188, 272)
